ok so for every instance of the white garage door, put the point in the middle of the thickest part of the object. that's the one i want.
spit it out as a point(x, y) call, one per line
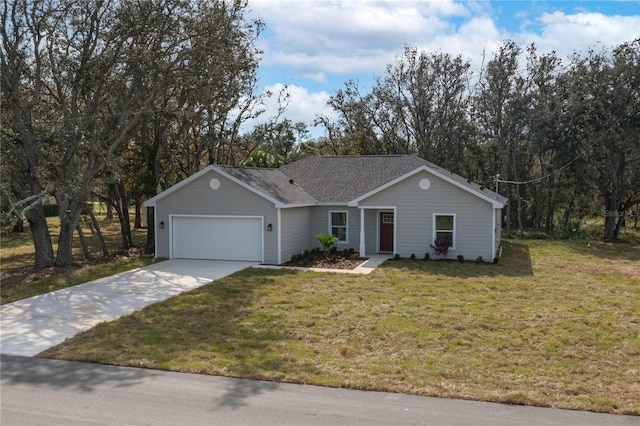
point(223, 238)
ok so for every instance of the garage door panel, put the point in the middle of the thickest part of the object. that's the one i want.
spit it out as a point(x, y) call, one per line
point(224, 238)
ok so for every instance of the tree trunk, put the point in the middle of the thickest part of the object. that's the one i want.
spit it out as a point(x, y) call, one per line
point(137, 222)
point(41, 238)
point(610, 216)
point(109, 214)
point(519, 209)
point(85, 249)
point(96, 225)
point(68, 222)
point(121, 206)
point(19, 226)
point(149, 247)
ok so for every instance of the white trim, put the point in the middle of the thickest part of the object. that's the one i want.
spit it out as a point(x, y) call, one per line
point(279, 223)
point(333, 203)
point(493, 235)
point(453, 236)
point(211, 168)
point(494, 203)
point(346, 237)
point(155, 230)
point(172, 216)
point(363, 248)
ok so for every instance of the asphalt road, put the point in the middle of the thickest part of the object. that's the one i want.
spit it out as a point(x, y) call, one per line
point(39, 391)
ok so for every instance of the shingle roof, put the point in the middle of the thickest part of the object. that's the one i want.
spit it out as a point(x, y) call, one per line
point(346, 177)
point(271, 182)
point(339, 179)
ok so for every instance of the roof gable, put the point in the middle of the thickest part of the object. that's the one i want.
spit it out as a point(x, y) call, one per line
point(270, 184)
point(340, 179)
point(333, 179)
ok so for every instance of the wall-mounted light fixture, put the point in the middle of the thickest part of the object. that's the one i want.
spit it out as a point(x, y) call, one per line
point(269, 227)
point(161, 226)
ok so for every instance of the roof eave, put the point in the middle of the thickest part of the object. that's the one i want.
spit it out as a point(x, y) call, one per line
point(494, 202)
point(152, 202)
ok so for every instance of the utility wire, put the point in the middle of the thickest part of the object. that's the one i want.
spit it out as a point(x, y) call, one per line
point(540, 178)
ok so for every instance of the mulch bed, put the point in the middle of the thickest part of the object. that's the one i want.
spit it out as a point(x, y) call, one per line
point(336, 260)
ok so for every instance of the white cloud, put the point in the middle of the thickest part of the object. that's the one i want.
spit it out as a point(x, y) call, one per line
point(303, 106)
point(568, 33)
point(327, 41)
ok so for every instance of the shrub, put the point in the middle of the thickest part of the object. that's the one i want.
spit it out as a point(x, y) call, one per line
point(427, 256)
point(460, 258)
point(327, 241)
point(479, 259)
point(397, 256)
point(50, 210)
point(413, 256)
point(441, 247)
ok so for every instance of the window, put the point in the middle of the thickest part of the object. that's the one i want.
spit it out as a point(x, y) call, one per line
point(387, 218)
point(444, 228)
point(338, 225)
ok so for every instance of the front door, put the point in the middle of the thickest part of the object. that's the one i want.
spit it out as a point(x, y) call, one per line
point(386, 231)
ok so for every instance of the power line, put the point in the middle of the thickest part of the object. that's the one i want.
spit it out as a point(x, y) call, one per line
point(537, 179)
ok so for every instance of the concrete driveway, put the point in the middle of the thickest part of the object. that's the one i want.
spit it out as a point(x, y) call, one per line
point(29, 326)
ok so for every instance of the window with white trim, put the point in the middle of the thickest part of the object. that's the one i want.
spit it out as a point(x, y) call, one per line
point(338, 225)
point(444, 228)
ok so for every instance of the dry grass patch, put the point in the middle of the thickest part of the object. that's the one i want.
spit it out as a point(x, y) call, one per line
point(19, 280)
point(556, 323)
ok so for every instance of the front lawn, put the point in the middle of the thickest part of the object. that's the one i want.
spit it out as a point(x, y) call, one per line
point(555, 323)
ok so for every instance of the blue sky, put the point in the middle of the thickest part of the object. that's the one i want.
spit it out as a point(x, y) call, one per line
point(315, 46)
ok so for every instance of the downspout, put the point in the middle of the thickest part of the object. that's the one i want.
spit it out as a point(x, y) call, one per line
point(363, 251)
point(279, 236)
point(493, 236)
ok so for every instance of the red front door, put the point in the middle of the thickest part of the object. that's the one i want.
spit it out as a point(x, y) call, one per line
point(386, 231)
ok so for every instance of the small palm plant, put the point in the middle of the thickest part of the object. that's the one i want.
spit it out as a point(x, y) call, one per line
point(327, 241)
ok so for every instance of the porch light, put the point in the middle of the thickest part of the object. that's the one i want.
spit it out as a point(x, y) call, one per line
point(269, 227)
point(161, 226)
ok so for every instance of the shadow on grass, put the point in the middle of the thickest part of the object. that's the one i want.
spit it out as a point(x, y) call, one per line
point(515, 262)
point(623, 250)
point(218, 329)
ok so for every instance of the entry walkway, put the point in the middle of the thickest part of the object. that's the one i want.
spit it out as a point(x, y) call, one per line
point(373, 261)
point(29, 326)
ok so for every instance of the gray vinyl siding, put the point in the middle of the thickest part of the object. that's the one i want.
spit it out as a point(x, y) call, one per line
point(498, 235)
point(320, 225)
point(197, 198)
point(296, 231)
point(415, 210)
point(371, 231)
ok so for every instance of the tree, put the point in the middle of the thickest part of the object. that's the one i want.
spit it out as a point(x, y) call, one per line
point(425, 96)
point(500, 108)
point(79, 76)
point(604, 105)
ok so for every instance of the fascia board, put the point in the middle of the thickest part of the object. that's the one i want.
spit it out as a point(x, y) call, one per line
point(494, 203)
point(354, 203)
point(292, 206)
point(277, 203)
point(151, 202)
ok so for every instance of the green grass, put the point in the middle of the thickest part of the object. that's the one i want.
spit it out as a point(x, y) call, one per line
point(20, 281)
point(555, 323)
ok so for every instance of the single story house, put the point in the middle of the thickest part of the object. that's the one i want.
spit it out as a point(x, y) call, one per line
point(395, 204)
